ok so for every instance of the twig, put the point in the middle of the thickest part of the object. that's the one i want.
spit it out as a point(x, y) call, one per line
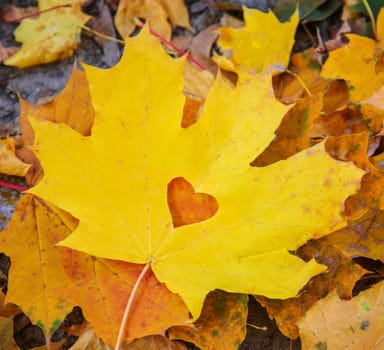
point(13, 186)
point(170, 44)
point(101, 35)
point(371, 16)
point(263, 328)
point(19, 19)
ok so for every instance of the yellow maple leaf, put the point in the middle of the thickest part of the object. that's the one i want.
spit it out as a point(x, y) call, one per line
point(358, 62)
point(50, 37)
point(263, 43)
point(116, 181)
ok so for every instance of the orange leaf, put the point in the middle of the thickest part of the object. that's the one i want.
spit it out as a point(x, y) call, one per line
point(155, 342)
point(222, 324)
point(63, 278)
point(292, 136)
point(71, 106)
point(289, 88)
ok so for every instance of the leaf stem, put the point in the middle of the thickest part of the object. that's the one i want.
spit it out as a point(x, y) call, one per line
point(140, 24)
point(48, 341)
point(13, 186)
point(301, 81)
point(101, 35)
point(263, 328)
point(129, 305)
point(371, 16)
point(37, 13)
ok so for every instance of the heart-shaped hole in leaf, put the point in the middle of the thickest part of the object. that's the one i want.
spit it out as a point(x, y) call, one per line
point(187, 206)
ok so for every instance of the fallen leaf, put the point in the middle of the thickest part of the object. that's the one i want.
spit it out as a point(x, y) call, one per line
point(341, 276)
point(88, 340)
point(13, 14)
point(303, 77)
point(349, 120)
point(269, 208)
point(262, 44)
point(161, 14)
point(354, 147)
point(7, 310)
point(47, 305)
point(6, 334)
point(197, 83)
point(221, 325)
point(60, 274)
point(52, 36)
point(356, 324)
point(6, 52)
point(10, 164)
point(72, 106)
point(292, 136)
point(154, 342)
point(362, 237)
point(357, 63)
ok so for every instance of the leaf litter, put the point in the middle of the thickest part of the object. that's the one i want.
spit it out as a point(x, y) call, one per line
point(201, 189)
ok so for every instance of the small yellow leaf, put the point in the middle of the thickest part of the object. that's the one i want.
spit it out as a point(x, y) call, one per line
point(358, 63)
point(263, 44)
point(52, 36)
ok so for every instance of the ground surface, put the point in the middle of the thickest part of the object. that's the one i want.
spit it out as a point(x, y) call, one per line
point(41, 82)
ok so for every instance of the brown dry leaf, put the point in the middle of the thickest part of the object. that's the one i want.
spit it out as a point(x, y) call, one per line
point(7, 341)
point(60, 273)
point(154, 342)
point(354, 147)
point(6, 52)
point(160, 13)
point(222, 324)
point(362, 237)
point(10, 164)
point(292, 136)
point(13, 14)
point(288, 87)
point(356, 324)
point(7, 310)
point(342, 275)
point(88, 340)
point(197, 82)
point(346, 121)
